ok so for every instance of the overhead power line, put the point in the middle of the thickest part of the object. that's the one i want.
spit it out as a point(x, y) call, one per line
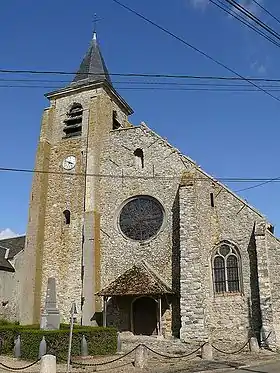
point(252, 17)
point(180, 89)
point(194, 48)
point(138, 75)
point(124, 176)
point(275, 179)
point(206, 82)
point(243, 20)
point(238, 76)
point(261, 181)
point(266, 11)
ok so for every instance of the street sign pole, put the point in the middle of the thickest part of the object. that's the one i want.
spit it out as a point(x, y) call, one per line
point(73, 310)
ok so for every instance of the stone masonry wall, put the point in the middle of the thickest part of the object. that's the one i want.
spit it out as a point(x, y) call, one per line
point(192, 274)
point(225, 316)
point(10, 290)
point(160, 179)
point(272, 324)
point(91, 252)
point(30, 271)
point(54, 249)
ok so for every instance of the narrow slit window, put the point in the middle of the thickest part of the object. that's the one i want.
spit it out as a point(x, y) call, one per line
point(139, 158)
point(212, 200)
point(67, 217)
point(116, 123)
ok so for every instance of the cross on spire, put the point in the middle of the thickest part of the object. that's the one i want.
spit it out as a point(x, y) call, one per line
point(95, 20)
point(93, 67)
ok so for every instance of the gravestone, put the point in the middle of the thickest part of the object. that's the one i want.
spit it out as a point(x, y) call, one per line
point(50, 318)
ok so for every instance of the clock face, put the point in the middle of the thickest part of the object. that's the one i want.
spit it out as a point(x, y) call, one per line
point(69, 162)
point(141, 218)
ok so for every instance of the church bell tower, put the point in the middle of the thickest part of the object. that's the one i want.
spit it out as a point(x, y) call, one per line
point(63, 234)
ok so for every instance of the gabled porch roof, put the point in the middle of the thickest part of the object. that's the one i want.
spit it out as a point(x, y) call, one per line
point(138, 280)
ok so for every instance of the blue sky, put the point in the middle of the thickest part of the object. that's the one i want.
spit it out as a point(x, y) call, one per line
point(228, 134)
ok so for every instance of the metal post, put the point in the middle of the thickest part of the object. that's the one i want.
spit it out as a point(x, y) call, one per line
point(159, 320)
point(73, 309)
point(104, 312)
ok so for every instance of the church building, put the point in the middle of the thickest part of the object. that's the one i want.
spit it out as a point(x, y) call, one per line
point(134, 232)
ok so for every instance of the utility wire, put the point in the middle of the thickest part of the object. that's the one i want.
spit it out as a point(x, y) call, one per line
point(139, 75)
point(266, 11)
point(237, 77)
point(255, 19)
point(211, 85)
point(243, 21)
point(191, 89)
point(123, 176)
point(160, 83)
point(194, 48)
point(276, 179)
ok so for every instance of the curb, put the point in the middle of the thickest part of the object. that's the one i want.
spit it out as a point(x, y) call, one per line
point(229, 369)
point(270, 361)
point(217, 370)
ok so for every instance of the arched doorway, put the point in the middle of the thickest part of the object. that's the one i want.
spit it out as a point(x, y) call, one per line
point(144, 314)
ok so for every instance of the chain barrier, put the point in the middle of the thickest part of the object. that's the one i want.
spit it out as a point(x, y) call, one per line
point(20, 368)
point(177, 356)
point(266, 338)
point(105, 362)
point(134, 349)
point(232, 352)
point(148, 348)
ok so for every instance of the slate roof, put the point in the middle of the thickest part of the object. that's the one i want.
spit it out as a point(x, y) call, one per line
point(5, 265)
point(14, 244)
point(138, 280)
point(93, 67)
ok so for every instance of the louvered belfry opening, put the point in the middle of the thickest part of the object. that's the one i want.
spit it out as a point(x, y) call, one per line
point(73, 122)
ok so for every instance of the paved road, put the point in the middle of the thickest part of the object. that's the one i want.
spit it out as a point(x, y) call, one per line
point(268, 368)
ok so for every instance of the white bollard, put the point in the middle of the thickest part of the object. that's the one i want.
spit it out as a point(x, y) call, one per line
point(207, 352)
point(254, 345)
point(48, 364)
point(141, 357)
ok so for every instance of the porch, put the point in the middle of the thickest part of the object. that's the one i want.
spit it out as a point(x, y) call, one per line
point(137, 301)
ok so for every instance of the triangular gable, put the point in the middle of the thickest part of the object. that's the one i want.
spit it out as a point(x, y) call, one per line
point(138, 280)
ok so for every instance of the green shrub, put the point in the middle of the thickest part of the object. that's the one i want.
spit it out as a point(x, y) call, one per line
point(7, 322)
point(101, 341)
point(8, 333)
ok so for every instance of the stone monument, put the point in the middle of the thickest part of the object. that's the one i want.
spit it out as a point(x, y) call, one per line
point(50, 317)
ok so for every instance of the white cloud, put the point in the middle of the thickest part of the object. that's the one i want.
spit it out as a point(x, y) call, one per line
point(261, 69)
point(7, 233)
point(251, 6)
point(258, 67)
point(199, 4)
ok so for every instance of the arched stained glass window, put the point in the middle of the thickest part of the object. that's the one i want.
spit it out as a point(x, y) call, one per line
point(226, 269)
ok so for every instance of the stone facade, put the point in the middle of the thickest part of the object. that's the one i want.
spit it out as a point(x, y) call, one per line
point(10, 290)
point(88, 254)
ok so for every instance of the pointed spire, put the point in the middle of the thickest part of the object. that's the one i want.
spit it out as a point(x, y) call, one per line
point(93, 68)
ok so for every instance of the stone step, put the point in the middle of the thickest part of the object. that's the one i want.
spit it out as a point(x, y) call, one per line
point(159, 344)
